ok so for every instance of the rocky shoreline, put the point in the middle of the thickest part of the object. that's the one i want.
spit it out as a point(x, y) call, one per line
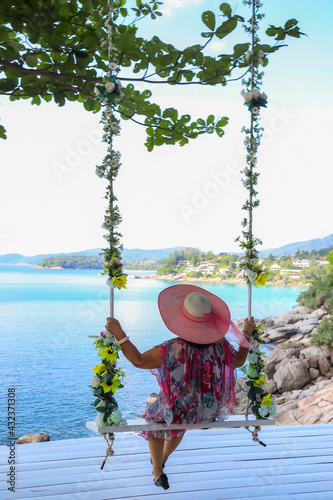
point(300, 375)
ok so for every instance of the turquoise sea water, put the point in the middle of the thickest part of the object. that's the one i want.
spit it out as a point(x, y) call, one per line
point(47, 355)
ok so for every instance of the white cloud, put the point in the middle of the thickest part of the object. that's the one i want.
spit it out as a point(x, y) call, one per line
point(216, 46)
point(170, 6)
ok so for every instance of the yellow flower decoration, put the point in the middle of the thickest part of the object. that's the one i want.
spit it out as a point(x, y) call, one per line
point(99, 369)
point(115, 384)
point(106, 386)
point(111, 386)
point(120, 281)
point(261, 280)
point(109, 354)
point(267, 400)
point(260, 381)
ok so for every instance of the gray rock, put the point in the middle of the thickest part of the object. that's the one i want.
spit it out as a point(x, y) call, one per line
point(293, 351)
point(297, 337)
point(33, 438)
point(306, 363)
point(323, 364)
point(314, 373)
point(308, 352)
point(272, 387)
point(293, 375)
point(302, 310)
point(323, 384)
point(308, 325)
point(313, 362)
point(293, 396)
point(305, 394)
point(319, 313)
point(272, 359)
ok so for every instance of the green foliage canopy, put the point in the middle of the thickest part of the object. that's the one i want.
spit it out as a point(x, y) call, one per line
point(58, 49)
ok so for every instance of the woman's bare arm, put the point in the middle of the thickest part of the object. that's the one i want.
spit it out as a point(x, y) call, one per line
point(241, 355)
point(148, 360)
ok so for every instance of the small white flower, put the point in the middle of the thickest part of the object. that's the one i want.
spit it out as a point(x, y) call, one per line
point(252, 358)
point(252, 275)
point(108, 111)
point(110, 86)
point(117, 155)
point(113, 66)
point(248, 96)
point(115, 127)
point(99, 172)
point(247, 141)
point(247, 171)
point(95, 382)
point(113, 164)
point(256, 93)
point(243, 129)
point(263, 411)
point(255, 110)
point(105, 100)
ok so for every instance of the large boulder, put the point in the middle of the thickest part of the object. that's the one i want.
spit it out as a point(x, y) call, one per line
point(272, 359)
point(319, 313)
point(33, 438)
point(323, 364)
point(309, 352)
point(308, 325)
point(281, 333)
point(292, 375)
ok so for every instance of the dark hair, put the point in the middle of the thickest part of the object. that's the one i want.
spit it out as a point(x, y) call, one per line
point(197, 346)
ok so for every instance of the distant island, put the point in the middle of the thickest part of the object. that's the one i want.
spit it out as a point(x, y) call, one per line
point(87, 262)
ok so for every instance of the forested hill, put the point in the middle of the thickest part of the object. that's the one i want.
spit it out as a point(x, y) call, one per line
point(72, 262)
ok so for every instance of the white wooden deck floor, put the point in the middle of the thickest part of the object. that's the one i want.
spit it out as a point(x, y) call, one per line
point(209, 465)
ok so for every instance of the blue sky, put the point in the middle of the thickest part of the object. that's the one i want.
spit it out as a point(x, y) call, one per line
point(160, 192)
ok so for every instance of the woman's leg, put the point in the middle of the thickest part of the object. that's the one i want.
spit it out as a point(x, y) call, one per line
point(156, 447)
point(170, 446)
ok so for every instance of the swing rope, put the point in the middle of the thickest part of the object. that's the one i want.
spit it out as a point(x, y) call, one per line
point(109, 23)
point(257, 429)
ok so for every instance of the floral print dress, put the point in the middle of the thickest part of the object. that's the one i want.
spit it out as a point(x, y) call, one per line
point(197, 385)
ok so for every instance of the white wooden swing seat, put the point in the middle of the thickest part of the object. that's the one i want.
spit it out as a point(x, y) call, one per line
point(141, 424)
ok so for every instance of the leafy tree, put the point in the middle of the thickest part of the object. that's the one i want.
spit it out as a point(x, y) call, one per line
point(323, 336)
point(57, 49)
point(320, 292)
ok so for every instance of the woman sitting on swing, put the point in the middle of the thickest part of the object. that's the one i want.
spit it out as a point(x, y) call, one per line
point(195, 370)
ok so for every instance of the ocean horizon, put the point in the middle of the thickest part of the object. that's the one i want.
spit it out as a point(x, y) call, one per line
point(47, 354)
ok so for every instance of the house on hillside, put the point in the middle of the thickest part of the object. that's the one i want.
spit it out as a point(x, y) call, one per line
point(274, 267)
point(301, 263)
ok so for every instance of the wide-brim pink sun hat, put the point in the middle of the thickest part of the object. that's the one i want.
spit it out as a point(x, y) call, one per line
point(194, 314)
